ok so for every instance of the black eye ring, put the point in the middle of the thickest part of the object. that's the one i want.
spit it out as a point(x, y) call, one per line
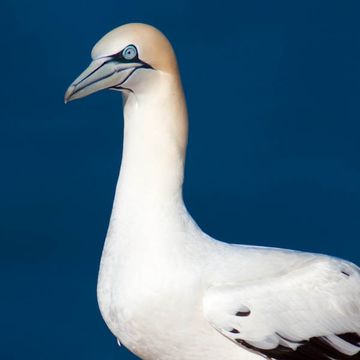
point(130, 52)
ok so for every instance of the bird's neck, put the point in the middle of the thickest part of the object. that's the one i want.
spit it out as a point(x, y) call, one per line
point(155, 138)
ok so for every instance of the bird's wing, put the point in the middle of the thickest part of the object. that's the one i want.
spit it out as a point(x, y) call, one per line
point(311, 313)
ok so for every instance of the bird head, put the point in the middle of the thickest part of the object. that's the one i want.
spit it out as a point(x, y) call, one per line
point(125, 59)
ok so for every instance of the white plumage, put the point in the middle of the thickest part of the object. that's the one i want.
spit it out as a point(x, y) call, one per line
point(319, 298)
point(166, 289)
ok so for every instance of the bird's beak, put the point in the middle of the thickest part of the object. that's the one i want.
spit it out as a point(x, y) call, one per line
point(101, 74)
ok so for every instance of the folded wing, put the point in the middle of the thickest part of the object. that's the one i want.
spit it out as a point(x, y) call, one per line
point(312, 312)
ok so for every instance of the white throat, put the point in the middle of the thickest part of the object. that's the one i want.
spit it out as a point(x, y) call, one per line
point(149, 190)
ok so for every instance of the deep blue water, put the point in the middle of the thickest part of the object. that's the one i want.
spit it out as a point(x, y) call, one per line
point(273, 94)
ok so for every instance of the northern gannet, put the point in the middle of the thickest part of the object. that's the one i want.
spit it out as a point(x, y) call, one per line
point(166, 289)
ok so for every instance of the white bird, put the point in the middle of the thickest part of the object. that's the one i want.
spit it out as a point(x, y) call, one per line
point(166, 289)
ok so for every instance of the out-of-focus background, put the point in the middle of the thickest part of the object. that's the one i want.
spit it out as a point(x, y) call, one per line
point(273, 94)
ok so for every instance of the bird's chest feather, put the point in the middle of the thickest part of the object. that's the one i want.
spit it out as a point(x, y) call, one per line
point(139, 299)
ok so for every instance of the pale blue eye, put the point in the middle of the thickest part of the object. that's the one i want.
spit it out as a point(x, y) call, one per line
point(129, 52)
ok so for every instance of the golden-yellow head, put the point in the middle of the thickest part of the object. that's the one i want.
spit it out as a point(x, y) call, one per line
point(119, 55)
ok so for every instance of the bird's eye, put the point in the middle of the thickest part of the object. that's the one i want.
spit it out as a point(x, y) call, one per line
point(129, 52)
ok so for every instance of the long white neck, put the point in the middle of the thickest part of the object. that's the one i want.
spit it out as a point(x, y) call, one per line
point(149, 189)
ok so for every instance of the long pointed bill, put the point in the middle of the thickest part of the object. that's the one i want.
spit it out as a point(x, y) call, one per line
point(101, 74)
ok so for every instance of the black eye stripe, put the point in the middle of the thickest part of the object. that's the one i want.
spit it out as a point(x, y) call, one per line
point(120, 57)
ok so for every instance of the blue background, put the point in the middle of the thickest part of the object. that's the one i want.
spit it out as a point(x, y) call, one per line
point(273, 94)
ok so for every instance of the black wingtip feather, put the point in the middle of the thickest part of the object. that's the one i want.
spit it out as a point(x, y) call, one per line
point(316, 348)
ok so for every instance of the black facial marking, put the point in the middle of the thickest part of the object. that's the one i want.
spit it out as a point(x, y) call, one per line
point(101, 78)
point(98, 68)
point(234, 331)
point(121, 88)
point(128, 76)
point(120, 58)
